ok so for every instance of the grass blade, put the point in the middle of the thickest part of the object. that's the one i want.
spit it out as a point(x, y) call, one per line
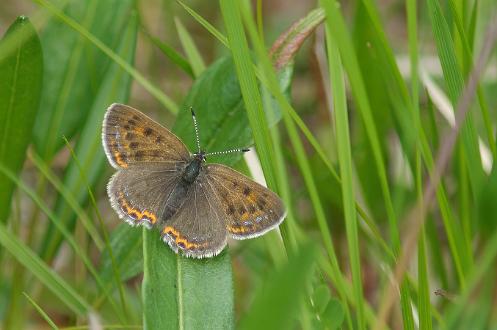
point(191, 50)
point(43, 273)
point(41, 311)
point(345, 161)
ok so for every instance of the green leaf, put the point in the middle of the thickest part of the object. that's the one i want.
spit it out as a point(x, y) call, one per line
point(21, 71)
point(217, 101)
point(115, 87)
point(321, 297)
point(282, 293)
point(73, 74)
point(333, 315)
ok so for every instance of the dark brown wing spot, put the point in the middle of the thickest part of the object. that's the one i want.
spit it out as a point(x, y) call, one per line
point(261, 203)
point(181, 245)
point(127, 127)
point(129, 136)
point(135, 117)
point(231, 209)
point(139, 155)
point(242, 210)
point(246, 191)
point(132, 122)
point(252, 209)
point(148, 131)
point(158, 139)
point(133, 145)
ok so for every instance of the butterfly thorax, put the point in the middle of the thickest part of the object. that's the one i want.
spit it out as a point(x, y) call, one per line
point(192, 170)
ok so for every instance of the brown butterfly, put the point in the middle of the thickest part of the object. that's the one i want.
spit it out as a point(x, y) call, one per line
point(159, 183)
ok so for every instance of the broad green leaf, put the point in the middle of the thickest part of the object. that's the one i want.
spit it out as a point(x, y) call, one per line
point(216, 99)
point(25, 256)
point(275, 303)
point(333, 315)
point(115, 87)
point(320, 297)
point(21, 71)
point(73, 73)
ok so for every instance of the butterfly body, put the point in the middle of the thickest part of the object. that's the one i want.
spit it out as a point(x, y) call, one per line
point(159, 183)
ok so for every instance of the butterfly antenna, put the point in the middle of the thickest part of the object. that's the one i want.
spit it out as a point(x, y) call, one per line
point(216, 153)
point(196, 129)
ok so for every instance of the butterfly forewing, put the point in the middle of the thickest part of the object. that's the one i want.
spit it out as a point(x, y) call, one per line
point(130, 137)
point(250, 209)
point(198, 228)
point(138, 194)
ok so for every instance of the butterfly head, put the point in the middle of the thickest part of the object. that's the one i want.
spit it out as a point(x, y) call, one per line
point(200, 156)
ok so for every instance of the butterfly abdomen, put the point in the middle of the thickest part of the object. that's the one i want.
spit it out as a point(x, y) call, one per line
point(175, 200)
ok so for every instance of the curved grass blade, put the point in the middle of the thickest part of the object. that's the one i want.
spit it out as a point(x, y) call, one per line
point(21, 71)
point(25, 256)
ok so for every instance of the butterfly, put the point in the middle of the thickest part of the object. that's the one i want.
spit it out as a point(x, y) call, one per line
point(159, 183)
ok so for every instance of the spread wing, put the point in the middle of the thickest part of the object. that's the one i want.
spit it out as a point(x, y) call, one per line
point(250, 209)
point(138, 195)
point(130, 137)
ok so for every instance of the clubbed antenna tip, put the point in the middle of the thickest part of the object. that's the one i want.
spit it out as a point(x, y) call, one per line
point(245, 150)
point(193, 113)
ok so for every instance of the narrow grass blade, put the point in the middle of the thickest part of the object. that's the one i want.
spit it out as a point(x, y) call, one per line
point(172, 54)
point(248, 86)
point(191, 50)
point(455, 83)
point(43, 273)
point(205, 24)
point(21, 72)
point(41, 311)
point(345, 161)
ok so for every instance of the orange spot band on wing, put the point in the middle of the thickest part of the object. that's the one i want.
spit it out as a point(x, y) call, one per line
point(237, 229)
point(180, 240)
point(119, 160)
point(134, 213)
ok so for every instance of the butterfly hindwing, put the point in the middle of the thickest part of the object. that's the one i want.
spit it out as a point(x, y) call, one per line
point(130, 137)
point(198, 228)
point(251, 209)
point(138, 194)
